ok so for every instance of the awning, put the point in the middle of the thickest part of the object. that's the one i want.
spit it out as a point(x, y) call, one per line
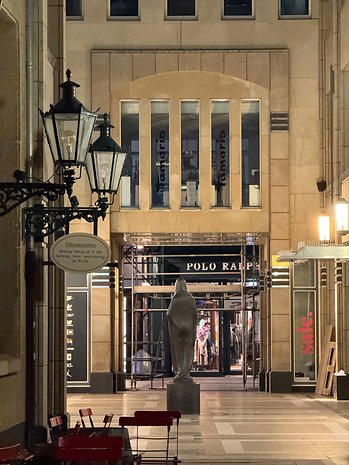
point(315, 251)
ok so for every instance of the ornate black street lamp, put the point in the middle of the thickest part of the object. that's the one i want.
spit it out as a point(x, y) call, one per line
point(105, 161)
point(68, 127)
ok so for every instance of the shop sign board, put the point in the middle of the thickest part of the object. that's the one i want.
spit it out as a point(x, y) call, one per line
point(80, 253)
point(77, 338)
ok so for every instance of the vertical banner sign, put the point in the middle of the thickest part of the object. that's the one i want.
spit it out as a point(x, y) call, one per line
point(78, 360)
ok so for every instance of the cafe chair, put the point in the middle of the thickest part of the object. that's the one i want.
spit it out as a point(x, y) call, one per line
point(86, 412)
point(107, 420)
point(56, 427)
point(9, 454)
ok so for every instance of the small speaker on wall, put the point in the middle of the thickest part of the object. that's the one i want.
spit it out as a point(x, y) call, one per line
point(321, 184)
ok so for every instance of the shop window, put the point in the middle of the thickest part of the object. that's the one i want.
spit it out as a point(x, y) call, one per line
point(237, 8)
point(181, 8)
point(250, 153)
point(123, 8)
point(160, 154)
point(294, 8)
point(304, 318)
point(190, 154)
point(130, 139)
point(74, 9)
point(220, 149)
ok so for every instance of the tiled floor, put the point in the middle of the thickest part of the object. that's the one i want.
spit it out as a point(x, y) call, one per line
point(247, 427)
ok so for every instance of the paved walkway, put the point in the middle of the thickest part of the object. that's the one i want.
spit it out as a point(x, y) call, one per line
point(246, 427)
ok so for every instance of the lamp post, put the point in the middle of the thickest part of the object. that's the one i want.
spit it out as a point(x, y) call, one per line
point(68, 127)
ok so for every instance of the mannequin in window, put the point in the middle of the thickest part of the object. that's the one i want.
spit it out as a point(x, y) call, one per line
point(182, 317)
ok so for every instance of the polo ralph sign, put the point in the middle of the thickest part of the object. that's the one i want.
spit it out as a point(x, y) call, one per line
point(80, 253)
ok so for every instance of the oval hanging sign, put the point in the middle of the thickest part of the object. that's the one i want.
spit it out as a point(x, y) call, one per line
point(80, 253)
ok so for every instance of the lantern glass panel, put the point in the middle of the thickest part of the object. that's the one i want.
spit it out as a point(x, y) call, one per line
point(69, 136)
point(87, 122)
point(104, 170)
point(118, 166)
point(67, 132)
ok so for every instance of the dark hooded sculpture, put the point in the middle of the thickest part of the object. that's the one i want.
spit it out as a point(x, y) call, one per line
point(182, 318)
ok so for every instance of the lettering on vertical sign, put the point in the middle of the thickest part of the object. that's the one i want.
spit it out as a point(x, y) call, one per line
point(77, 337)
point(307, 333)
point(222, 158)
point(161, 150)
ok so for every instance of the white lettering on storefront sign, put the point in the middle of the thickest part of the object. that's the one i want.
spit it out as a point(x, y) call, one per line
point(219, 266)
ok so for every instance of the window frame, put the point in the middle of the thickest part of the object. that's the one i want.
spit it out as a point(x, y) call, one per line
point(239, 17)
point(137, 200)
point(229, 101)
point(165, 207)
point(199, 102)
point(290, 17)
point(181, 17)
point(111, 17)
point(75, 18)
point(249, 207)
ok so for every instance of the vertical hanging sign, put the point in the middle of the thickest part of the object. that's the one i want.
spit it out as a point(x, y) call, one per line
point(77, 338)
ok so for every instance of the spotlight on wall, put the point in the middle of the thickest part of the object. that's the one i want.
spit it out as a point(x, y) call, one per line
point(321, 184)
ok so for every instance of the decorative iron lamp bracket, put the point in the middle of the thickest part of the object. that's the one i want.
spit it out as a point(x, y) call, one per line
point(39, 221)
point(13, 194)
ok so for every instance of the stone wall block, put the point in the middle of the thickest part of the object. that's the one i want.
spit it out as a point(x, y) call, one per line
point(143, 65)
point(279, 81)
point(258, 68)
point(100, 82)
point(212, 62)
point(189, 61)
point(165, 62)
point(235, 64)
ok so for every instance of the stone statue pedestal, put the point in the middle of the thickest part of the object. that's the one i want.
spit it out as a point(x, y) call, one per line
point(184, 396)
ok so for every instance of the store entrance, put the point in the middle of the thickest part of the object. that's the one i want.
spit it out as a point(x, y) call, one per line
point(225, 284)
point(228, 341)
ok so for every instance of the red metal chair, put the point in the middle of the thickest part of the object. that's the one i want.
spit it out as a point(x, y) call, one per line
point(9, 454)
point(153, 418)
point(95, 448)
point(56, 428)
point(86, 412)
point(107, 420)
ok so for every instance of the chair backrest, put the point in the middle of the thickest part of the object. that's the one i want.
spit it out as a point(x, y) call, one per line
point(127, 421)
point(107, 420)
point(158, 415)
point(86, 412)
point(56, 427)
point(9, 453)
point(153, 418)
point(89, 448)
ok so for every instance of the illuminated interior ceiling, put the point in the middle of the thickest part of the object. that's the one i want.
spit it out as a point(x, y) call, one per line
point(185, 239)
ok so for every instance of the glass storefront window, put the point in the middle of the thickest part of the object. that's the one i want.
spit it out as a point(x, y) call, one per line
point(206, 346)
point(129, 185)
point(303, 274)
point(160, 154)
point(220, 140)
point(304, 336)
point(250, 156)
point(190, 154)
